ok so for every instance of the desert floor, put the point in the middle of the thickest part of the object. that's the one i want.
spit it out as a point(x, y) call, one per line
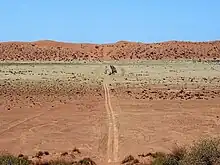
point(146, 106)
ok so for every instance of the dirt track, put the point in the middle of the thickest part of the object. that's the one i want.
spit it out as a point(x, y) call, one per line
point(113, 130)
point(58, 51)
point(147, 106)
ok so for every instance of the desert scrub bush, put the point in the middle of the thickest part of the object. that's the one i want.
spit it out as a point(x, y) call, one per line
point(8, 159)
point(178, 152)
point(203, 152)
point(174, 158)
point(85, 161)
point(58, 162)
point(130, 160)
point(163, 159)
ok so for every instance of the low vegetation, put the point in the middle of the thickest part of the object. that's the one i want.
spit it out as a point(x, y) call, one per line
point(8, 159)
point(202, 152)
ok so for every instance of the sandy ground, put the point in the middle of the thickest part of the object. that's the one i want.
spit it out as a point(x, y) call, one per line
point(145, 107)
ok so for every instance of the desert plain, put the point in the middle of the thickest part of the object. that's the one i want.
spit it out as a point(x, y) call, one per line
point(59, 96)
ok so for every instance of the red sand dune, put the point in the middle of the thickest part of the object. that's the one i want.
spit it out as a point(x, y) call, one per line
point(52, 50)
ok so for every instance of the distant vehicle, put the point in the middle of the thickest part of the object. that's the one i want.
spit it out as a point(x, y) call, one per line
point(110, 71)
point(113, 70)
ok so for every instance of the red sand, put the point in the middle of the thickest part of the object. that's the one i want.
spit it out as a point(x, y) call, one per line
point(51, 50)
point(58, 119)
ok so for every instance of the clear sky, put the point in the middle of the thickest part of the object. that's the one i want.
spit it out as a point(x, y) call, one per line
point(104, 21)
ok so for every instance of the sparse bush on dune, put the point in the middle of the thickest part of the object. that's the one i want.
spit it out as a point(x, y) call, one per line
point(165, 160)
point(203, 152)
point(178, 152)
point(8, 159)
point(57, 162)
point(86, 161)
point(176, 155)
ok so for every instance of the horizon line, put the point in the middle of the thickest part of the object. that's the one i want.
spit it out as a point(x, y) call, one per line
point(119, 41)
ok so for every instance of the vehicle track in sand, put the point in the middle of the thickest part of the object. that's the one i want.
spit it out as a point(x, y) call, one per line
point(113, 134)
point(16, 124)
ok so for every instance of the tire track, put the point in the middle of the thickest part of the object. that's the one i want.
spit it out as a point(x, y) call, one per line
point(23, 121)
point(112, 145)
point(109, 143)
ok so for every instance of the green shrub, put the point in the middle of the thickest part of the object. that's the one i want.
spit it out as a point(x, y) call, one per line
point(85, 161)
point(59, 162)
point(203, 152)
point(177, 154)
point(7, 159)
point(159, 160)
point(165, 160)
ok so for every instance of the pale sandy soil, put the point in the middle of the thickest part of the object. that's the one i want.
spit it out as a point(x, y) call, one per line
point(145, 107)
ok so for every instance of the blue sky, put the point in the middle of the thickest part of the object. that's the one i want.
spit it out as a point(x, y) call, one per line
point(106, 21)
